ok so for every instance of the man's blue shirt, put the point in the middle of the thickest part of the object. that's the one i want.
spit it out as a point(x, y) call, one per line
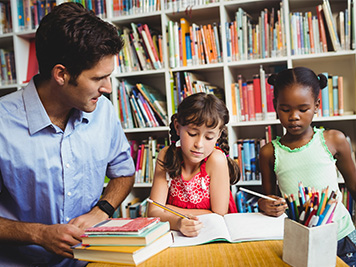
point(51, 176)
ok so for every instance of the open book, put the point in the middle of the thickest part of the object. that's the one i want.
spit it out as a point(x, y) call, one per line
point(234, 228)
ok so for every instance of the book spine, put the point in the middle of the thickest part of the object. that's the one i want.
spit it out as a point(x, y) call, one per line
point(341, 95)
point(335, 95)
point(325, 98)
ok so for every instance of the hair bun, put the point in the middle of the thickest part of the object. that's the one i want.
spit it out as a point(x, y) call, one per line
point(323, 80)
point(272, 79)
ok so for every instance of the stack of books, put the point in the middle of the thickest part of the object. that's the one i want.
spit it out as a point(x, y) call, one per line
point(124, 241)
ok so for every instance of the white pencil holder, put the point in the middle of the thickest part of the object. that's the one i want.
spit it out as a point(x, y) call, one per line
point(309, 247)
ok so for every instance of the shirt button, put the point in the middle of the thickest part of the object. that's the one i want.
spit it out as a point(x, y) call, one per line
point(67, 219)
point(67, 165)
point(69, 194)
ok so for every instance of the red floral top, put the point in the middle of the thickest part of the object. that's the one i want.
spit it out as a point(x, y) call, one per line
point(195, 193)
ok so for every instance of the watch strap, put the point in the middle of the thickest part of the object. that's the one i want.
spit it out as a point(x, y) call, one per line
point(105, 206)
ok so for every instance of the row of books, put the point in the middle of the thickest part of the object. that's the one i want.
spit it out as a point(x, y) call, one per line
point(186, 83)
point(186, 5)
point(97, 6)
point(193, 44)
point(263, 38)
point(246, 203)
point(146, 159)
point(5, 17)
point(7, 70)
point(124, 241)
point(142, 49)
point(252, 99)
point(246, 153)
point(141, 106)
point(30, 12)
point(332, 97)
point(310, 33)
point(347, 200)
point(130, 7)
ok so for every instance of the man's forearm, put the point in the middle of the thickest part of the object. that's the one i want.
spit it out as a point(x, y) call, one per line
point(118, 189)
point(20, 233)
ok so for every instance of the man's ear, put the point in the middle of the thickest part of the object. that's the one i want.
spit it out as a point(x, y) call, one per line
point(60, 74)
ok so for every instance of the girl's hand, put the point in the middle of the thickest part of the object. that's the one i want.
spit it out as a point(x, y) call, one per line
point(273, 208)
point(190, 227)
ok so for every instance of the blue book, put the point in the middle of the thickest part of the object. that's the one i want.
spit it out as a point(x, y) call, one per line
point(247, 159)
point(252, 159)
point(228, 41)
point(188, 49)
point(325, 98)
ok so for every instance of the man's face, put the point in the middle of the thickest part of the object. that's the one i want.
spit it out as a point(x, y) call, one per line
point(91, 84)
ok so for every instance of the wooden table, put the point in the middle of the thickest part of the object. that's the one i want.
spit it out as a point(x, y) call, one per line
point(259, 253)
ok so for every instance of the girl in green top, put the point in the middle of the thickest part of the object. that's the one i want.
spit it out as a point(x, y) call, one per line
point(305, 153)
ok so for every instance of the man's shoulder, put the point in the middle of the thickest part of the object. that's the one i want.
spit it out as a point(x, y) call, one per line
point(11, 103)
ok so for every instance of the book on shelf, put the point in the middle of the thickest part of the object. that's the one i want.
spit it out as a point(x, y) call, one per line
point(246, 152)
point(124, 8)
point(331, 25)
point(251, 39)
point(5, 18)
point(246, 204)
point(131, 255)
point(142, 49)
point(254, 97)
point(143, 239)
point(123, 226)
point(234, 228)
point(8, 72)
point(146, 160)
point(321, 32)
point(191, 44)
point(332, 96)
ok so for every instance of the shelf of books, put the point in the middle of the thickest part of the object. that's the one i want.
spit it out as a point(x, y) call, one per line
point(228, 48)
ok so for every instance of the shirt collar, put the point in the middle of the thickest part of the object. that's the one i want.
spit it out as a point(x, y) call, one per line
point(36, 114)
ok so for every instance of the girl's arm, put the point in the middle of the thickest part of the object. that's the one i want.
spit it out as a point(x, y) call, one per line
point(159, 193)
point(218, 170)
point(340, 148)
point(272, 208)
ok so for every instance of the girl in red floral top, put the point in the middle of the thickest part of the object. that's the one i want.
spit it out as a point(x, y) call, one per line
point(191, 175)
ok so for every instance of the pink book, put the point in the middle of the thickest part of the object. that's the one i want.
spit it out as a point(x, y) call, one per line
point(257, 97)
point(251, 101)
point(122, 226)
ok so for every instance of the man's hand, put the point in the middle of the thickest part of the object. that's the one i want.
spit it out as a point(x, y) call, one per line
point(59, 238)
point(96, 215)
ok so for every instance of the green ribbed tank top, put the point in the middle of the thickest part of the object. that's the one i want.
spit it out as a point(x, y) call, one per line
point(314, 166)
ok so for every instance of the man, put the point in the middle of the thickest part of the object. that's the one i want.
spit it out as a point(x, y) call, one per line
point(58, 140)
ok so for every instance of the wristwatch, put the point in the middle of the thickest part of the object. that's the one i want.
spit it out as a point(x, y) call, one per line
point(106, 207)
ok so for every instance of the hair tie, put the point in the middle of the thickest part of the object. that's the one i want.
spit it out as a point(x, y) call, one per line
point(173, 142)
point(318, 77)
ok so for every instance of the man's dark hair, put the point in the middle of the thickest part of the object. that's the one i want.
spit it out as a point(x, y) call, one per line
point(74, 37)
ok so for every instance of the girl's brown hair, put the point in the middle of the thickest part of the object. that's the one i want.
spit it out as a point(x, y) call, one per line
point(199, 109)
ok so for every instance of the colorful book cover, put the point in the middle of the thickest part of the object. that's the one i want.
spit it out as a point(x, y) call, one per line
point(123, 225)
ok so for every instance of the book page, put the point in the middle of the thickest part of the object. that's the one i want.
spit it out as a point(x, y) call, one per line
point(214, 228)
point(254, 226)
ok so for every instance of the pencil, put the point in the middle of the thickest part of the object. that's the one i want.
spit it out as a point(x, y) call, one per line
point(167, 209)
point(256, 194)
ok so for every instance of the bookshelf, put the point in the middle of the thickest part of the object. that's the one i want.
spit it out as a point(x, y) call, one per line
point(219, 73)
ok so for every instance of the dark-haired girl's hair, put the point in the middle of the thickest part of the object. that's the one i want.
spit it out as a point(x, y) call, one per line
point(298, 75)
point(199, 109)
